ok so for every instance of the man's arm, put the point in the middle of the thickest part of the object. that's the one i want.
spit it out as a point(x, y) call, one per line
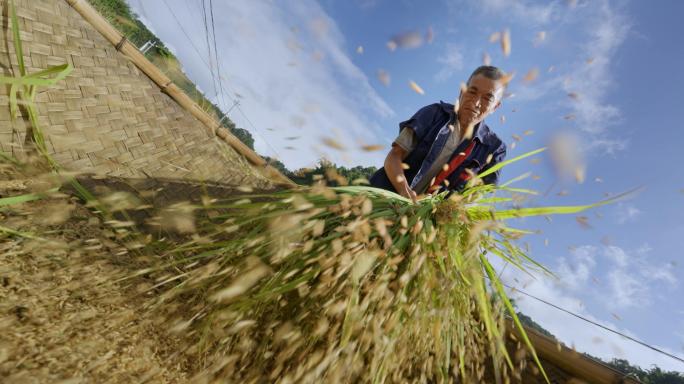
point(395, 172)
point(411, 132)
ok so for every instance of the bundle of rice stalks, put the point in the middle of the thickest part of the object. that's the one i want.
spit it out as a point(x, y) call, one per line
point(348, 284)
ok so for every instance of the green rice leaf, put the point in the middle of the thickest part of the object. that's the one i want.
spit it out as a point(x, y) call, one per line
point(516, 179)
point(14, 232)
point(502, 164)
point(372, 190)
point(5, 201)
point(499, 289)
point(17, 38)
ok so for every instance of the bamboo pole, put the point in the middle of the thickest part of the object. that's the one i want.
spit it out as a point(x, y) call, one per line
point(158, 77)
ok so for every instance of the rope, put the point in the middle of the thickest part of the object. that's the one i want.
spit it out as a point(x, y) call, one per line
point(121, 43)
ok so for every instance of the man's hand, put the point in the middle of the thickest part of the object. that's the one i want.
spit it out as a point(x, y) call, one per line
point(395, 172)
point(409, 193)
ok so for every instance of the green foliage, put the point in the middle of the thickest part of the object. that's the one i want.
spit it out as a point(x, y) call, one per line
point(119, 14)
point(528, 322)
point(277, 164)
point(240, 133)
point(334, 174)
point(654, 375)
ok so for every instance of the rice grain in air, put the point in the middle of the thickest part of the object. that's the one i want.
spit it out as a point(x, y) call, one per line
point(372, 147)
point(531, 75)
point(242, 284)
point(506, 42)
point(416, 88)
point(494, 37)
point(384, 77)
point(332, 143)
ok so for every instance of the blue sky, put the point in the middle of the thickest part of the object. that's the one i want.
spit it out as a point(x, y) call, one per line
point(299, 76)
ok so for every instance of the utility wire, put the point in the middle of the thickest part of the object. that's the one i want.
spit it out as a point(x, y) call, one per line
point(253, 127)
point(218, 66)
point(206, 38)
point(216, 56)
point(219, 97)
point(220, 82)
point(596, 324)
point(201, 56)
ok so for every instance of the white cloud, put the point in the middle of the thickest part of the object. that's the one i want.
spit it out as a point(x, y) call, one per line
point(451, 61)
point(608, 146)
point(533, 13)
point(659, 273)
point(632, 277)
point(627, 290)
point(602, 28)
point(367, 4)
point(627, 213)
point(617, 255)
point(607, 29)
point(287, 63)
point(574, 272)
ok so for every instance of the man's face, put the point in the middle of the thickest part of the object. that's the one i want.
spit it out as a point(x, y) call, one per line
point(481, 97)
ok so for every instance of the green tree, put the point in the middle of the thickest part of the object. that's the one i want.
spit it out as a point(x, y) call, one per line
point(333, 174)
point(277, 164)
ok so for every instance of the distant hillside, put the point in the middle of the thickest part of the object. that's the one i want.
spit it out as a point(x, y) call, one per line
point(119, 14)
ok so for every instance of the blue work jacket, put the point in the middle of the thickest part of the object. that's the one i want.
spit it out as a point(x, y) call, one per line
point(430, 125)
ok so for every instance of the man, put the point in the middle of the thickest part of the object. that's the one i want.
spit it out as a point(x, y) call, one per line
point(443, 146)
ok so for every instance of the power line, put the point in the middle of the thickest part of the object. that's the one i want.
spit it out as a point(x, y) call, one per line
point(218, 63)
point(200, 55)
point(206, 38)
point(220, 82)
point(596, 324)
point(185, 33)
point(252, 125)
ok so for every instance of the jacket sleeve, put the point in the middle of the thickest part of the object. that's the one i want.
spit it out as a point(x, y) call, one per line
point(498, 156)
point(422, 121)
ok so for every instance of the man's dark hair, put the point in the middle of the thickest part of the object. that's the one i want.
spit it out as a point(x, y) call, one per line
point(487, 71)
